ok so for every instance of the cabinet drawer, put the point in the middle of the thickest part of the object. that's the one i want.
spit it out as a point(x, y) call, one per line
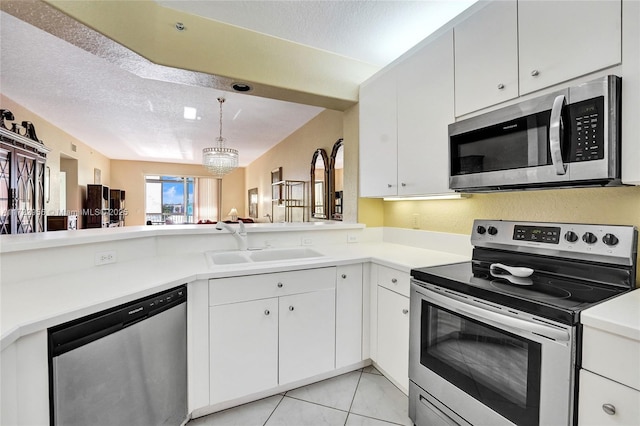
point(619, 362)
point(596, 392)
point(252, 287)
point(394, 280)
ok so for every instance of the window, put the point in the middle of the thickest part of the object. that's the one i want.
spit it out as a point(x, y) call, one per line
point(169, 199)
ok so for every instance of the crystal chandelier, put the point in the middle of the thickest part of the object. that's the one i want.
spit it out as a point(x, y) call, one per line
point(220, 160)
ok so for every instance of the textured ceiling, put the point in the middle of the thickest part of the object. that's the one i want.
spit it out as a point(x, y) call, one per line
point(124, 116)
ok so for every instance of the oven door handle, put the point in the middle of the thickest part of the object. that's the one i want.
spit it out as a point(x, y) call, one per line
point(516, 325)
point(555, 130)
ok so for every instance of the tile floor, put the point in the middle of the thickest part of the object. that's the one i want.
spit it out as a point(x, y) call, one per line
point(361, 398)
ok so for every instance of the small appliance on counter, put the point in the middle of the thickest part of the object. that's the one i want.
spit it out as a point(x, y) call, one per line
point(497, 340)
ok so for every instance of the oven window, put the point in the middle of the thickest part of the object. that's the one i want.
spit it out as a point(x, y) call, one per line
point(498, 368)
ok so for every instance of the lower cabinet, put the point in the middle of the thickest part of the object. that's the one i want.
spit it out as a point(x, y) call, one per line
point(605, 402)
point(268, 330)
point(393, 336)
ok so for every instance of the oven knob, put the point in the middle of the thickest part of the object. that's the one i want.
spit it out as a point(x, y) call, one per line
point(481, 229)
point(571, 236)
point(492, 230)
point(589, 238)
point(610, 240)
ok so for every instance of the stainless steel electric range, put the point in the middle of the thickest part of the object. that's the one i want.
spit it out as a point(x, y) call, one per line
point(496, 340)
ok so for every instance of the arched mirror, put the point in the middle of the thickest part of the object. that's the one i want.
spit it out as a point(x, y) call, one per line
point(319, 184)
point(336, 178)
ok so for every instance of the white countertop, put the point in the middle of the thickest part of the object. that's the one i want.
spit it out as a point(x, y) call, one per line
point(34, 305)
point(620, 315)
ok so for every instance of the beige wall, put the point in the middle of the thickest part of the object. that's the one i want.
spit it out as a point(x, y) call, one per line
point(60, 144)
point(294, 155)
point(129, 176)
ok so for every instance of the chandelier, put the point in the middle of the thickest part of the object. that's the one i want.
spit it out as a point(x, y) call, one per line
point(220, 160)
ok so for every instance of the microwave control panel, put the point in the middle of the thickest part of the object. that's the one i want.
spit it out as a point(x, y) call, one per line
point(586, 130)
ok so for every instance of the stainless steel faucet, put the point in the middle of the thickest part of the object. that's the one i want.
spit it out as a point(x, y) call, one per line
point(269, 216)
point(240, 235)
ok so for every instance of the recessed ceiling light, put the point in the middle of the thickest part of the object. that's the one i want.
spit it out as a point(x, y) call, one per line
point(180, 26)
point(241, 87)
point(190, 113)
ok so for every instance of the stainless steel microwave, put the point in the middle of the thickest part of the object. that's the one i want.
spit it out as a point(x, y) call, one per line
point(568, 138)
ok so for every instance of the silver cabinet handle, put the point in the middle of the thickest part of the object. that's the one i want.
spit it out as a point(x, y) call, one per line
point(609, 409)
point(291, 308)
point(405, 311)
point(280, 285)
point(344, 276)
point(267, 312)
point(555, 128)
point(394, 280)
point(535, 73)
point(500, 86)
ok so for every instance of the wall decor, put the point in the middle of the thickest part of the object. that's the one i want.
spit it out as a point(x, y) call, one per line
point(277, 187)
point(253, 203)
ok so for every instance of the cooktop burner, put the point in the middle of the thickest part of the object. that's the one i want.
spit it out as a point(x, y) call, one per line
point(544, 295)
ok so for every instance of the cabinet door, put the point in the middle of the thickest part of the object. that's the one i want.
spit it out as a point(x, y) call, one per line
point(349, 315)
point(307, 334)
point(486, 57)
point(378, 137)
point(243, 348)
point(5, 191)
point(562, 40)
point(425, 109)
point(393, 336)
point(598, 393)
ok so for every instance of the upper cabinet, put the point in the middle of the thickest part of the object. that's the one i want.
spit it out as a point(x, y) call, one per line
point(379, 136)
point(562, 40)
point(511, 48)
point(486, 57)
point(404, 114)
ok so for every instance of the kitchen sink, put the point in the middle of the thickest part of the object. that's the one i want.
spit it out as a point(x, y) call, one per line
point(267, 255)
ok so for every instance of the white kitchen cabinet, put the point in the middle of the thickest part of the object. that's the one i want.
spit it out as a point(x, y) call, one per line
point(393, 336)
point(306, 335)
point(425, 109)
point(270, 329)
point(561, 40)
point(605, 402)
point(486, 57)
point(244, 348)
point(349, 314)
point(631, 92)
point(404, 114)
point(379, 136)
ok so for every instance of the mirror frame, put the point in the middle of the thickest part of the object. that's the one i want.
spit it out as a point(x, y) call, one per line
point(332, 180)
point(320, 152)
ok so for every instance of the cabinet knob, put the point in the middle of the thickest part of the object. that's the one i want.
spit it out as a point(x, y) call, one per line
point(403, 184)
point(610, 409)
point(280, 285)
point(405, 311)
point(344, 276)
point(500, 86)
point(394, 280)
point(291, 308)
point(267, 312)
point(535, 73)
point(389, 185)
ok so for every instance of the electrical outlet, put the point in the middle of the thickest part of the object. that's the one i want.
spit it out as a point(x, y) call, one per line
point(352, 238)
point(306, 241)
point(104, 257)
point(415, 221)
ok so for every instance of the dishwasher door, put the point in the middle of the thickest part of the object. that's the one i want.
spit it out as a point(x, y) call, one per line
point(125, 366)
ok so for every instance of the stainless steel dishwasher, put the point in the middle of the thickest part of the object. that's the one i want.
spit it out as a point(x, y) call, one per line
point(123, 366)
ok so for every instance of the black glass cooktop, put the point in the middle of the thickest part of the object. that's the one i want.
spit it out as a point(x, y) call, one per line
point(546, 295)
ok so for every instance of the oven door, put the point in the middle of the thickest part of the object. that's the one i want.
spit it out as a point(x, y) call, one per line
point(487, 365)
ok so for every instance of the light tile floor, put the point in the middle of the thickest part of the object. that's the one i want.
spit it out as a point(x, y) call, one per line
point(361, 398)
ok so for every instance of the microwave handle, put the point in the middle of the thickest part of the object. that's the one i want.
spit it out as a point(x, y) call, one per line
point(555, 127)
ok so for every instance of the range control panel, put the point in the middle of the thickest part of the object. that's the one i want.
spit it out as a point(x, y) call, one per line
point(605, 243)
